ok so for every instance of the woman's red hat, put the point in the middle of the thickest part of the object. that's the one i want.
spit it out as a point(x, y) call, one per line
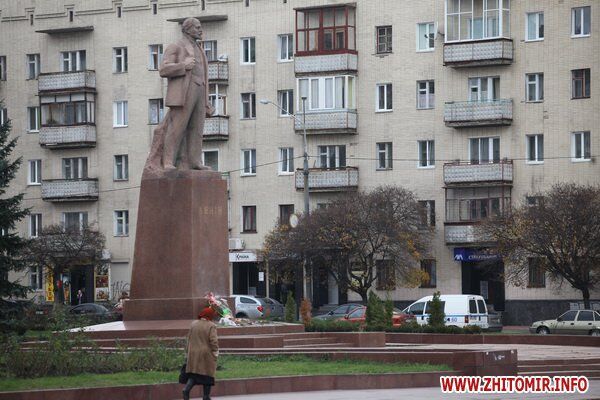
point(207, 313)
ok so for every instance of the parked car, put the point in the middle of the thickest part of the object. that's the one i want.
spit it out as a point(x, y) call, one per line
point(494, 319)
point(574, 322)
point(93, 311)
point(249, 306)
point(460, 309)
point(275, 307)
point(338, 312)
point(359, 315)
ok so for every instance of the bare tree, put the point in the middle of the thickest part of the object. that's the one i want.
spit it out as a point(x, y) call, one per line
point(352, 235)
point(562, 229)
point(59, 250)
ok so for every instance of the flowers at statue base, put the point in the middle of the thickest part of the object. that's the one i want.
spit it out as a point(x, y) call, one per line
point(219, 305)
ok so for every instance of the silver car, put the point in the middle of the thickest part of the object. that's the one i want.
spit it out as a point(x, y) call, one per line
point(275, 307)
point(248, 306)
point(582, 322)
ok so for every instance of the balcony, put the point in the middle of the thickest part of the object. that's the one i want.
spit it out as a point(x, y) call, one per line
point(67, 81)
point(478, 53)
point(465, 114)
point(320, 63)
point(465, 234)
point(216, 128)
point(467, 173)
point(328, 180)
point(65, 137)
point(64, 190)
point(327, 122)
point(218, 71)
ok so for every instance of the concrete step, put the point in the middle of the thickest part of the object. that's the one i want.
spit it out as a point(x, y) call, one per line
point(319, 346)
point(562, 361)
point(569, 367)
point(311, 340)
point(595, 374)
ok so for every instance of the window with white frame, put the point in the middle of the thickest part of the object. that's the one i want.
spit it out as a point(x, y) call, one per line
point(534, 27)
point(286, 47)
point(34, 175)
point(249, 162)
point(35, 224)
point(485, 88)
point(327, 92)
point(155, 52)
point(156, 110)
point(426, 36)
point(384, 97)
point(36, 278)
point(120, 114)
point(33, 66)
point(249, 219)
point(384, 155)
point(74, 221)
point(426, 153)
point(73, 60)
point(535, 148)
point(3, 116)
point(580, 83)
point(248, 105)
point(2, 68)
point(581, 147)
point(484, 150)
point(33, 119)
point(285, 212)
point(331, 157)
point(285, 98)
point(477, 19)
point(75, 168)
point(210, 158)
point(248, 50)
point(581, 21)
point(535, 87)
point(384, 39)
point(427, 213)
point(217, 96)
point(210, 50)
point(121, 168)
point(425, 95)
point(286, 160)
point(119, 59)
point(121, 223)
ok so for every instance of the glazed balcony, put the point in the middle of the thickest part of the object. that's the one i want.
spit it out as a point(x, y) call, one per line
point(327, 122)
point(67, 81)
point(218, 71)
point(465, 114)
point(465, 235)
point(325, 63)
point(478, 53)
point(328, 180)
point(65, 137)
point(467, 173)
point(64, 190)
point(216, 128)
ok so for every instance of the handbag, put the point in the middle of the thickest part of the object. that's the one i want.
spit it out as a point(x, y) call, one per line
point(183, 376)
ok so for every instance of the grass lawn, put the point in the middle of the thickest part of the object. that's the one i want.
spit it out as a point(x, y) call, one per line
point(232, 367)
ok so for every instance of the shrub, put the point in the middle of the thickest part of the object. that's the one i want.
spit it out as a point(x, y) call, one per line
point(437, 316)
point(290, 308)
point(375, 316)
point(389, 311)
point(306, 311)
point(317, 325)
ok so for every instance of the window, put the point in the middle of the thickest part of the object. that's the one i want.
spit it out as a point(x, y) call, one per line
point(535, 148)
point(581, 21)
point(581, 148)
point(217, 97)
point(249, 162)
point(384, 97)
point(477, 19)
point(119, 11)
point(384, 39)
point(428, 266)
point(248, 105)
point(534, 201)
point(119, 114)
point(535, 87)
point(285, 98)
point(71, 15)
point(2, 68)
point(36, 278)
point(332, 156)
point(534, 28)
point(484, 89)
point(568, 316)
point(121, 170)
point(286, 47)
point(210, 158)
point(120, 59)
point(325, 30)
point(427, 213)
point(35, 225)
point(580, 83)
point(121, 223)
point(384, 155)
point(74, 221)
point(285, 211)
point(585, 316)
point(484, 150)
point(156, 110)
point(386, 275)
point(3, 116)
point(248, 48)
point(537, 273)
point(286, 160)
point(73, 60)
point(249, 219)
point(68, 109)
point(417, 308)
point(155, 56)
point(154, 8)
point(426, 153)
point(75, 168)
point(210, 50)
point(33, 118)
point(326, 93)
point(426, 36)
point(425, 95)
point(34, 177)
point(33, 66)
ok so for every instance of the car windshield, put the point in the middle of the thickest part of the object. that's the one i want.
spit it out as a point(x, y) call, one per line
point(568, 316)
point(359, 313)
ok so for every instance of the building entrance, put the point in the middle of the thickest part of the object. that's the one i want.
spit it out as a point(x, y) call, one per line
point(485, 278)
point(247, 279)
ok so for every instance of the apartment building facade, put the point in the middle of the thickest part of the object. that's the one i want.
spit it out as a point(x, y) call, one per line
point(474, 105)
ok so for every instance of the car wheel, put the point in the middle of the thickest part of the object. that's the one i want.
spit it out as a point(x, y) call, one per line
point(542, 330)
point(241, 315)
point(595, 333)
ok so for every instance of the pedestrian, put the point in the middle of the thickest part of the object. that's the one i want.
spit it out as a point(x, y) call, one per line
point(202, 353)
point(79, 296)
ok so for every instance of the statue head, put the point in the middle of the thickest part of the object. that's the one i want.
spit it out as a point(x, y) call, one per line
point(192, 27)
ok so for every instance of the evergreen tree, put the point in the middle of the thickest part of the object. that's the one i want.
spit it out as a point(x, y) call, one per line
point(437, 317)
point(375, 315)
point(290, 308)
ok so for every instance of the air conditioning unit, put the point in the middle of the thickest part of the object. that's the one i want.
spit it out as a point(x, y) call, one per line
point(236, 244)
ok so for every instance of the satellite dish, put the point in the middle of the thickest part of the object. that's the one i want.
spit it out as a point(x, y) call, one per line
point(294, 220)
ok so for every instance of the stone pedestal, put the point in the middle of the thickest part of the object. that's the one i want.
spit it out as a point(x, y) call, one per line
point(181, 248)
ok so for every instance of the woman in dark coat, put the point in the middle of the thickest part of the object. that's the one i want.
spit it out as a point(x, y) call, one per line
point(202, 353)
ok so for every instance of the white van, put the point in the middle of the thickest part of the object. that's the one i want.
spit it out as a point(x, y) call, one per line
point(460, 309)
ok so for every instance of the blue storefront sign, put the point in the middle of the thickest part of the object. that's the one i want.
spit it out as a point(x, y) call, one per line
point(471, 254)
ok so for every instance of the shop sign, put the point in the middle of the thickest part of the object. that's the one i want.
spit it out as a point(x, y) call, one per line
point(49, 286)
point(471, 254)
point(243, 257)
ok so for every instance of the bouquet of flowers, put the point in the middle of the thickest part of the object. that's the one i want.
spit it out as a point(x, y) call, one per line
point(219, 305)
